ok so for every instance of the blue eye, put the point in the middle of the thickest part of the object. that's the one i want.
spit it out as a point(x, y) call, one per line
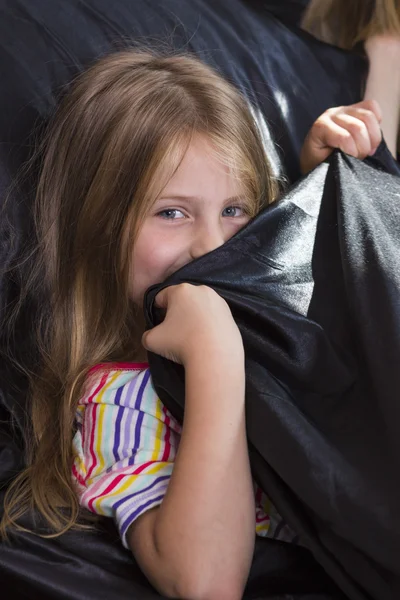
point(233, 211)
point(170, 214)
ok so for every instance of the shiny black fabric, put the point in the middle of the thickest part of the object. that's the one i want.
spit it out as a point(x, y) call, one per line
point(289, 11)
point(93, 566)
point(314, 284)
point(289, 78)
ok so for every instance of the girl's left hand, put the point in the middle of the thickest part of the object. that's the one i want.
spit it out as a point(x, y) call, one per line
point(354, 129)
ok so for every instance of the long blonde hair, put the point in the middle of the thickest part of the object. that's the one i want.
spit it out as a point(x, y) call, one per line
point(123, 119)
point(347, 22)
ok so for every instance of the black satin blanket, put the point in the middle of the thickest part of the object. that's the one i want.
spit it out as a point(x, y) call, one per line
point(314, 285)
point(321, 352)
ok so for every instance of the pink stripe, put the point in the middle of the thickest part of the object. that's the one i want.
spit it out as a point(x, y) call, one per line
point(93, 430)
point(78, 476)
point(167, 437)
point(93, 416)
point(115, 482)
point(262, 517)
point(95, 487)
point(108, 489)
point(119, 366)
point(106, 480)
point(83, 431)
point(97, 390)
point(144, 466)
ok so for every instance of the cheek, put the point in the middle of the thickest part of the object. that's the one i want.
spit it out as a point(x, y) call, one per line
point(153, 259)
point(233, 226)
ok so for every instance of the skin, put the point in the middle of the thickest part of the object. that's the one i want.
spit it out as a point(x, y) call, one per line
point(383, 83)
point(199, 545)
point(199, 210)
point(188, 547)
point(355, 129)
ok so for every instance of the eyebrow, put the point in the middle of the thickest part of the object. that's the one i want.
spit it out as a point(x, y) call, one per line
point(183, 197)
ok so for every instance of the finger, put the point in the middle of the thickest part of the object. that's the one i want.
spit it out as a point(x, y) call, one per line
point(334, 136)
point(152, 339)
point(164, 296)
point(358, 131)
point(371, 123)
point(145, 342)
point(371, 105)
point(161, 300)
point(158, 341)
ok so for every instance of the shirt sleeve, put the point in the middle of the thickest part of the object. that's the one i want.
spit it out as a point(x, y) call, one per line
point(124, 447)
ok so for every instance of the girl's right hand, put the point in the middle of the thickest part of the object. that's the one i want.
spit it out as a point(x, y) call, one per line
point(355, 129)
point(198, 324)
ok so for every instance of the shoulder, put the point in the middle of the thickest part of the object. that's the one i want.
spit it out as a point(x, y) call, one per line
point(125, 385)
point(116, 383)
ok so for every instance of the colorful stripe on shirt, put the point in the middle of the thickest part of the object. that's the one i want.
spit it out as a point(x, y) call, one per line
point(125, 446)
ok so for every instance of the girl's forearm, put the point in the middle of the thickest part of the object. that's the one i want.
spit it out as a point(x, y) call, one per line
point(204, 531)
point(383, 84)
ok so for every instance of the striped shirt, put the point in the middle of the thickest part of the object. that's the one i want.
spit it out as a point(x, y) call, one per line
point(125, 446)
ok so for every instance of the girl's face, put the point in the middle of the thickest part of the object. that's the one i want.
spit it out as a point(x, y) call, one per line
point(199, 209)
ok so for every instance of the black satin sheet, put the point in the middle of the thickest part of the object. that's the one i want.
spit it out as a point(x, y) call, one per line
point(314, 285)
point(290, 79)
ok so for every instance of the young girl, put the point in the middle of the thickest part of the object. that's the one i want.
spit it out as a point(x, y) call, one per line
point(151, 162)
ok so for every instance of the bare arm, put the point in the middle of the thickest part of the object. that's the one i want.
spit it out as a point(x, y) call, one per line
point(383, 83)
point(199, 543)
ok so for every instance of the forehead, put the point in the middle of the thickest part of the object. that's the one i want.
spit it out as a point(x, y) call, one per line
point(202, 173)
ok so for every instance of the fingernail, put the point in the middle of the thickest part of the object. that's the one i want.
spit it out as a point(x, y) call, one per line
point(373, 151)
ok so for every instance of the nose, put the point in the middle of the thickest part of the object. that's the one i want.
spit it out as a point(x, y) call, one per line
point(206, 238)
